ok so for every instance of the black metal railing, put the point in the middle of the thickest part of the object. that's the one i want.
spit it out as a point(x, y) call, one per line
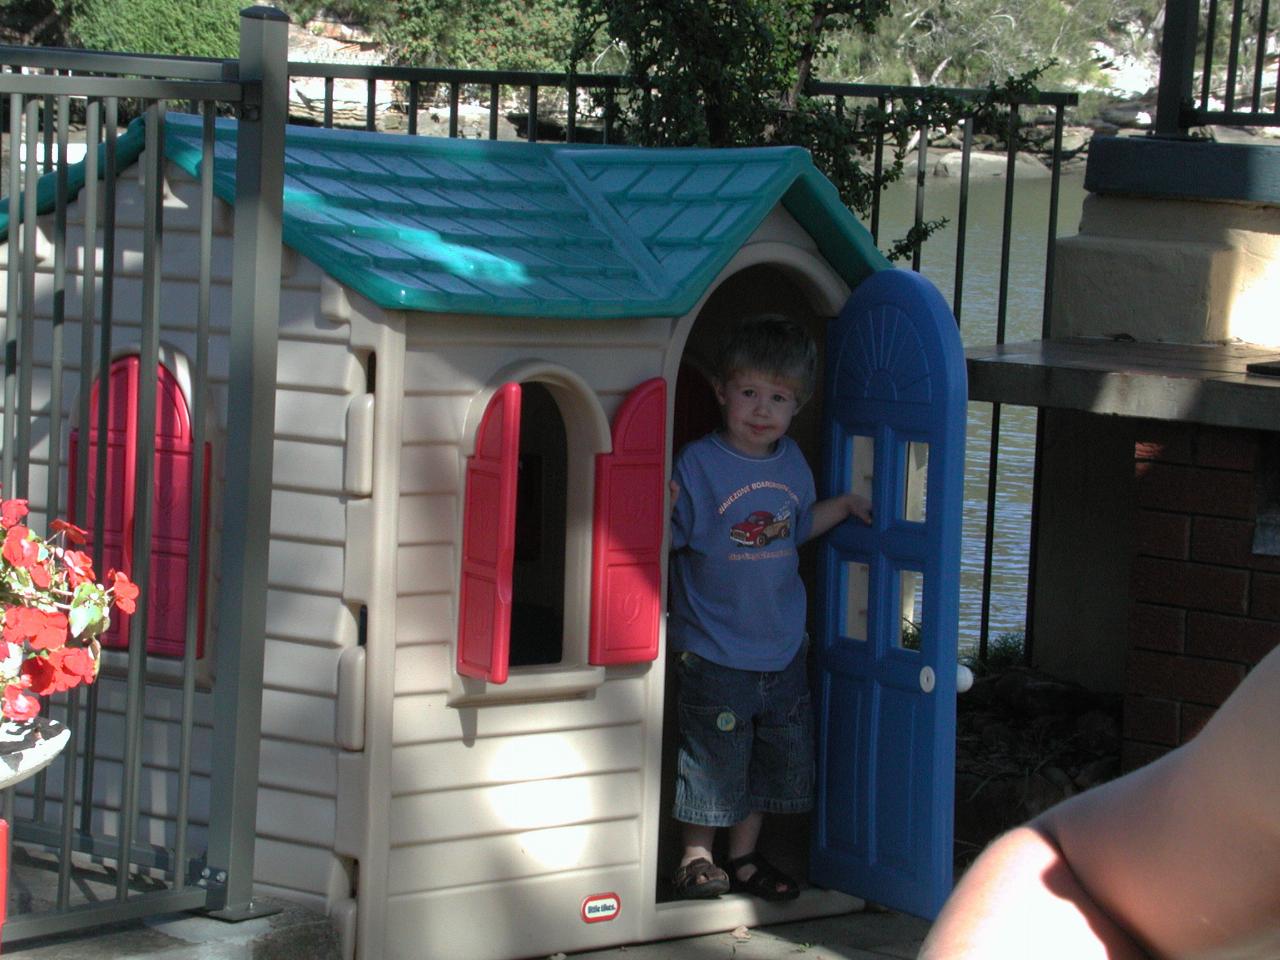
point(1216, 66)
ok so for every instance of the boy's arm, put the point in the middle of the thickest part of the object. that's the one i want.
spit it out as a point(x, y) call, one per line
point(828, 513)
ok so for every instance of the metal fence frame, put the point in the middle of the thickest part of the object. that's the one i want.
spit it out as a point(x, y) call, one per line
point(256, 88)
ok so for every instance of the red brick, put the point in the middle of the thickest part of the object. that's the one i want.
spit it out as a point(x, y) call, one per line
point(1228, 543)
point(1194, 717)
point(1264, 597)
point(1153, 627)
point(1242, 639)
point(1152, 721)
point(1195, 586)
point(1162, 534)
point(1173, 677)
point(1168, 442)
point(1185, 489)
point(1134, 755)
point(1227, 449)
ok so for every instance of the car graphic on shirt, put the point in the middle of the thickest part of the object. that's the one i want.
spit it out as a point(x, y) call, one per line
point(760, 527)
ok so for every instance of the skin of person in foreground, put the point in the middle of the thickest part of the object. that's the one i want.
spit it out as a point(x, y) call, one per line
point(1179, 859)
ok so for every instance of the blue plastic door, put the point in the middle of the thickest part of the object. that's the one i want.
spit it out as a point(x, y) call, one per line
point(894, 413)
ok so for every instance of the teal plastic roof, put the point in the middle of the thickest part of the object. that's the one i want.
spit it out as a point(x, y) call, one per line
point(519, 229)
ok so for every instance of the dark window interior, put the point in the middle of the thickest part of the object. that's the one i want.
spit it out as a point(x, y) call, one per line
point(537, 609)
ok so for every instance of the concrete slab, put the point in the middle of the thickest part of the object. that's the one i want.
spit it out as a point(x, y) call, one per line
point(294, 933)
point(865, 935)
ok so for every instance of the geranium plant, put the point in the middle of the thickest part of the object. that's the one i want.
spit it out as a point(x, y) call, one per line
point(54, 610)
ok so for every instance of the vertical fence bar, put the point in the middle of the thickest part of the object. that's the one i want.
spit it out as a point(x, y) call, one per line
point(12, 313)
point(1210, 35)
point(26, 329)
point(328, 101)
point(1051, 243)
point(608, 114)
point(533, 112)
point(1260, 56)
point(195, 530)
point(1002, 310)
point(88, 274)
point(493, 111)
point(571, 88)
point(144, 453)
point(1177, 66)
point(255, 299)
point(877, 169)
point(454, 87)
point(1233, 55)
point(413, 107)
point(922, 159)
point(371, 104)
point(962, 217)
point(106, 330)
point(54, 459)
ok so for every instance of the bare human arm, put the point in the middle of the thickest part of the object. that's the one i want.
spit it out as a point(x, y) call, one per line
point(1179, 859)
point(827, 513)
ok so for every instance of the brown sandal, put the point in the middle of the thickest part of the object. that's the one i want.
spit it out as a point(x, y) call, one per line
point(699, 879)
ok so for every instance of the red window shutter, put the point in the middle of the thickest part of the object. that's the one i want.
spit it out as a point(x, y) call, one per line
point(170, 556)
point(627, 532)
point(488, 540)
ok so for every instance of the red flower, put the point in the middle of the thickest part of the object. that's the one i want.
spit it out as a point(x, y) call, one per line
point(40, 576)
point(11, 511)
point(126, 591)
point(18, 704)
point(79, 567)
point(41, 629)
point(78, 666)
point(41, 675)
point(70, 531)
point(18, 550)
point(60, 670)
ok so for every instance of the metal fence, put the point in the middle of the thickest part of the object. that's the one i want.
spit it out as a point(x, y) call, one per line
point(112, 831)
point(1217, 66)
point(403, 89)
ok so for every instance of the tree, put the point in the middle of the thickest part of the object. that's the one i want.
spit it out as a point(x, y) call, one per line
point(196, 28)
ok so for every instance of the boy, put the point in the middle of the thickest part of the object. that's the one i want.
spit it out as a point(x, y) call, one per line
point(743, 499)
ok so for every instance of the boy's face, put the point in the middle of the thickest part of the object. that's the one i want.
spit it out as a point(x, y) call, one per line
point(757, 409)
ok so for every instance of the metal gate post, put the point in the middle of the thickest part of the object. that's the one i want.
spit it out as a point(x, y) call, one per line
point(251, 385)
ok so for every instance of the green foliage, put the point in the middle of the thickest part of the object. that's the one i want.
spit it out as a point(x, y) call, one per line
point(971, 43)
point(492, 34)
point(198, 28)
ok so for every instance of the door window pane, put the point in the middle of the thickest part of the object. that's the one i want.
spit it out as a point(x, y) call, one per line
point(915, 474)
point(857, 578)
point(911, 607)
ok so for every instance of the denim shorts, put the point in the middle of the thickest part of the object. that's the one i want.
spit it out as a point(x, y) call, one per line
point(746, 741)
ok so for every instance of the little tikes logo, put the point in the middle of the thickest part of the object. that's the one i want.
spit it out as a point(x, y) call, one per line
point(601, 906)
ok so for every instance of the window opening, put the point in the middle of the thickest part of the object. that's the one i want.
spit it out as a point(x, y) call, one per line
point(538, 571)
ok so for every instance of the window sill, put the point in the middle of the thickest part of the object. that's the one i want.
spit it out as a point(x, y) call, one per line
point(527, 683)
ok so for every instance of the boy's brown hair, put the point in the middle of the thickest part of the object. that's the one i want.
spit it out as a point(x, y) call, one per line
point(771, 344)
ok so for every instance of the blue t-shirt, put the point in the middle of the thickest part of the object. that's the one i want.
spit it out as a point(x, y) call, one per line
point(736, 594)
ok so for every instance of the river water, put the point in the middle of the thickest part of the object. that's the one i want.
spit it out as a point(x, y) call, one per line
point(978, 316)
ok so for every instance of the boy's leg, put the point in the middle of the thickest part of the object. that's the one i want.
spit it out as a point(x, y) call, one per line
point(742, 843)
point(697, 841)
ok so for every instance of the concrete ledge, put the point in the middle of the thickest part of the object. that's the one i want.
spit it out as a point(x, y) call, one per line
point(1159, 381)
point(1185, 169)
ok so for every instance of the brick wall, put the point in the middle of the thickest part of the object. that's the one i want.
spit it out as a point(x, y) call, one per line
point(1203, 607)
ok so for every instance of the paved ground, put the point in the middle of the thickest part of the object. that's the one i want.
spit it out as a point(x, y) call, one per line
point(852, 936)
